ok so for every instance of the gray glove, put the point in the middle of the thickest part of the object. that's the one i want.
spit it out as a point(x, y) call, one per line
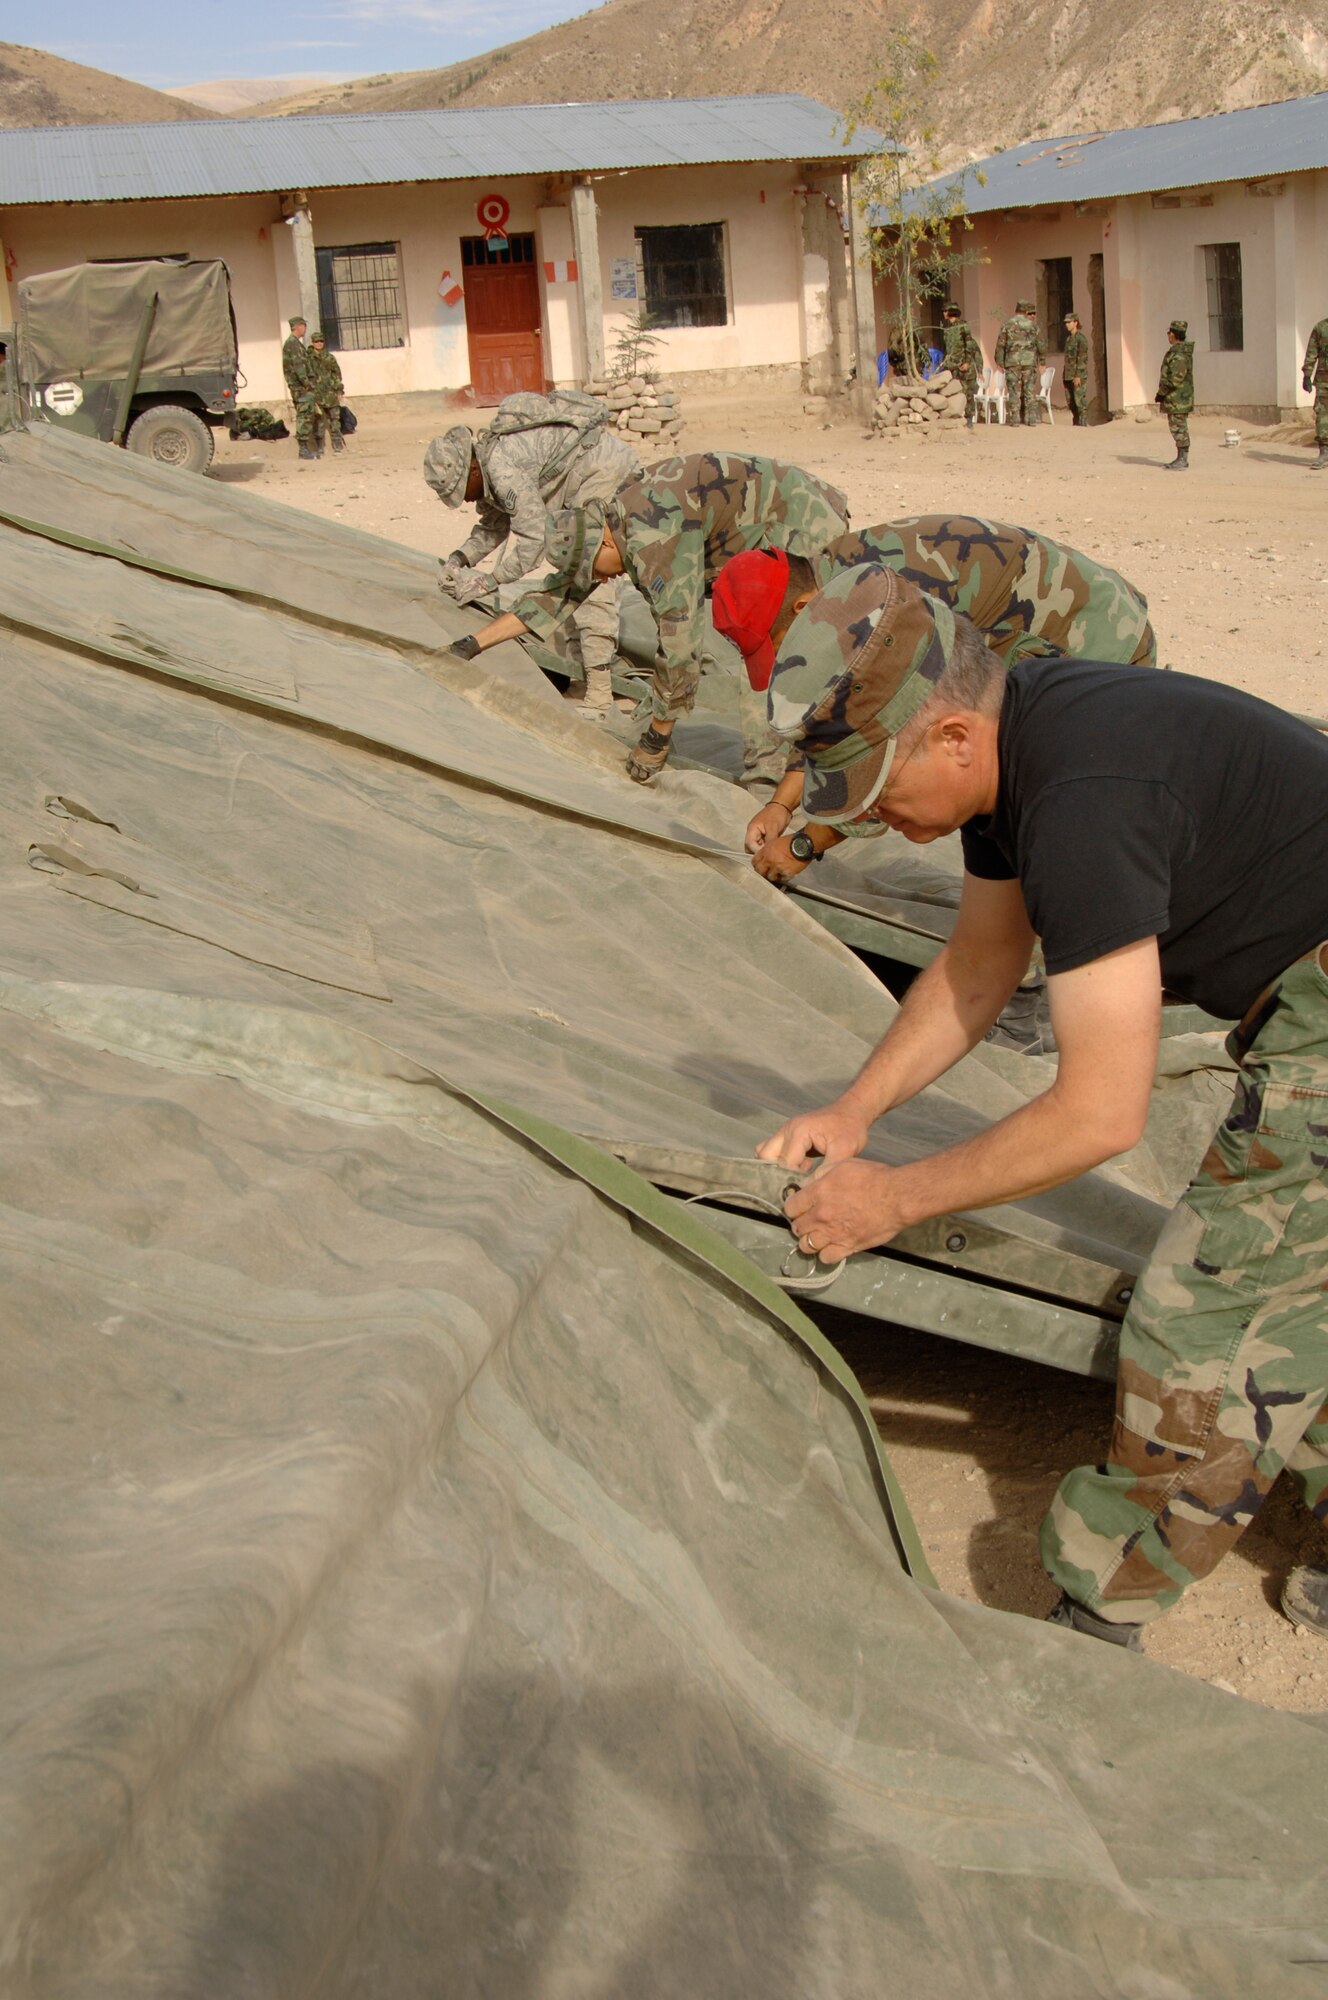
point(474, 586)
point(465, 649)
point(450, 570)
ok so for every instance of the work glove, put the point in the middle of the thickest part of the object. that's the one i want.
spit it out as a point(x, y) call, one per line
point(450, 569)
point(476, 586)
point(646, 759)
point(465, 649)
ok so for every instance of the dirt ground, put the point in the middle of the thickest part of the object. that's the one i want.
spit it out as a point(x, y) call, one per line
point(1233, 557)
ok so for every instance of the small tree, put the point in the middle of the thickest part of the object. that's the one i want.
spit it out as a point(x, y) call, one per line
point(635, 344)
point(911, 215)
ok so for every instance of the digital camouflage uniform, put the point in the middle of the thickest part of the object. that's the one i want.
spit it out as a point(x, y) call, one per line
point(676, 527)
point(1223, 1372)
point(531, 471)
point(324, 399)
point(963, 358)
point(1175, 391)
point(1076, 366)
point(1021, 352)
point(1314, 371)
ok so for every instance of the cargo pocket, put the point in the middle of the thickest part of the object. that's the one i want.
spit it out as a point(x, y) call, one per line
point(1253, 1178)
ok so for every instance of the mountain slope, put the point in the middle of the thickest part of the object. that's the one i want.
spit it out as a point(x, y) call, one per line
point(39, 89)
point(1008, 68)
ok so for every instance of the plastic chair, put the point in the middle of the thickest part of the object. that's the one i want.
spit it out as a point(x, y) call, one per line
point(991, 393)
point(882, 366)
point(937, 355)
point(1047, 377)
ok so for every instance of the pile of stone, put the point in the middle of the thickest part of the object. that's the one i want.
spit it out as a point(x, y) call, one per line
point(639, 406)
point(903, 404)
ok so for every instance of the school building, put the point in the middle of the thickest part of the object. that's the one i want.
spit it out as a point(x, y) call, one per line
point(1221, 221)
point(494, 249)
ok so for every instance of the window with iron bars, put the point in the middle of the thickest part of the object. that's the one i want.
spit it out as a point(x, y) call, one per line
point(1226, 300)
point(359, 296)
point(681, 275)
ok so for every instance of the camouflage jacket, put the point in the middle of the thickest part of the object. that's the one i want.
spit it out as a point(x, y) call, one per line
point(1315, 364)
point(1076, 358)
point(325, 383)
point(962, 353)
point(1175, 384)
point(1027, 595)
point(1020, 343)
point(530, 474)
point(295, 362)
point(682, 521)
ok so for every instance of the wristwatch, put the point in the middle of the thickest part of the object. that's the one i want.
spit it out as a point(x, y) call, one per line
point(802, 848)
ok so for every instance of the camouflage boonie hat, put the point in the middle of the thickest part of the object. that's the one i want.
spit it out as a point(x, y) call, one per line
point(572, 541)
point(447, 464)
point(1180, 327)
point(854, 667)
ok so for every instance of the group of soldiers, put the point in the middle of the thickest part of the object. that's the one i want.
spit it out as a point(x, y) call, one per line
point(950, 674)
point(315, 387)
point(1021, 352)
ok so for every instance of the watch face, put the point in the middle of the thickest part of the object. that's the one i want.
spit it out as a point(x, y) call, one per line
point(801, 847)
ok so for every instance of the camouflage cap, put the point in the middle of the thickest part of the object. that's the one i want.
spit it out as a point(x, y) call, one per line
point(299, 320)
point(447, 464)
point(854, 667)
point(1180, 327)
point(950, 312)
point(1024, 306)
point(572, 541)
point(317, 337)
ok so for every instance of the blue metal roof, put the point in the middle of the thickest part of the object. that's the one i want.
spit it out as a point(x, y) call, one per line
point(367, 149)
point(1265, 139)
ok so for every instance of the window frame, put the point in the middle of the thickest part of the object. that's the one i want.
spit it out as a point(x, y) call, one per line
point(659, 308)
point(335, 322)
point(1224, 317)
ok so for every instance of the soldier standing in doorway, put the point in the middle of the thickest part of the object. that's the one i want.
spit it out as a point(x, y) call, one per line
point(1021, 352)
point(1075, 370)
point(1175, 391)
point(1314, 374)
point(963, 358)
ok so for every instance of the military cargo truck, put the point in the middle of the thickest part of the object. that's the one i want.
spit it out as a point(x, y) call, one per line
point(141, 354)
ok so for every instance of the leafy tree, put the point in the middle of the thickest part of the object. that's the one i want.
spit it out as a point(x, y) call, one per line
point(914, 217)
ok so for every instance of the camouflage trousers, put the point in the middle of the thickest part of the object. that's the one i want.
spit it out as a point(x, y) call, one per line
point(969, 379)
point(1223, 1372)
point(1321, 412)
point(1076, 395)
point(585, 634)
point(1178, 423)
point(315, 422)
point(1021, 396)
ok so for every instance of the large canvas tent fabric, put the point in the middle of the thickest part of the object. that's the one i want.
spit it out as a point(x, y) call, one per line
point(432, 1559)
point(86, 319)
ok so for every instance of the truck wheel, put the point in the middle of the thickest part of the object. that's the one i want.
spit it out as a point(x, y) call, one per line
point(172, 436)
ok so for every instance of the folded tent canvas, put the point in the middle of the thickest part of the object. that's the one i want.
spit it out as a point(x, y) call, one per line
point(429, 1550)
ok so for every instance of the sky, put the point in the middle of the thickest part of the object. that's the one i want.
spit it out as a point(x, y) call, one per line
point(153, 42)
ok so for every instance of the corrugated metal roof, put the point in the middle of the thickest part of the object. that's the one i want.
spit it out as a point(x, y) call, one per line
point(1286, 138)
point(367, 149)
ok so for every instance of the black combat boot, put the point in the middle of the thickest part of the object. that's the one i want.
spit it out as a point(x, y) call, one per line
point(1305, 1599)
point(306, 451)
point(1322, 460)
point(1067, 1612)
point(336, 440)
point(1180, 463)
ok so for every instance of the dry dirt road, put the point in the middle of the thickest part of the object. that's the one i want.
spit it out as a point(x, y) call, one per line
point(1233, 557)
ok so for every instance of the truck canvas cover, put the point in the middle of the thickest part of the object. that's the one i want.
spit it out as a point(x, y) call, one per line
point(433, 1558)
point(85, 320)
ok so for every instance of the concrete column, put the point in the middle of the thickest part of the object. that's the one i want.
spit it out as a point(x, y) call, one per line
point(6, 310)
point(589, 278)
point(306, 264)
point(864, 301)
point(1289, 344)
point(1127, 360)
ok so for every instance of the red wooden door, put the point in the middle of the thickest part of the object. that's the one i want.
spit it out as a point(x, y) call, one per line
point(502, 317)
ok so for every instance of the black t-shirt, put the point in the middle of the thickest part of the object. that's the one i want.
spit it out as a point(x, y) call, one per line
point(1134, 803)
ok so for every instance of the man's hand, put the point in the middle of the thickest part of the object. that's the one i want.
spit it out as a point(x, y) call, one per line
point(837, 1132)
point(845, 1208)
point(777, 861)
point(1306, 384)
point(646, 759)
point(767, 825)
point(475, 586)
point(467, 648)
point(451, 570)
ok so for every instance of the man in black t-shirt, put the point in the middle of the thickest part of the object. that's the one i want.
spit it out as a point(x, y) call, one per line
point(1152, 831)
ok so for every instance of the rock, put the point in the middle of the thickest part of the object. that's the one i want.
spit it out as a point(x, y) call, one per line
point(645, 426)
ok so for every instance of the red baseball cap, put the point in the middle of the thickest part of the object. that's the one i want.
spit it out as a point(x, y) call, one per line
point(745, 604)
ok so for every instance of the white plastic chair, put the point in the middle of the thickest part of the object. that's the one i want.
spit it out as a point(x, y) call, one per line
point(1046, 379)
point(991, 391)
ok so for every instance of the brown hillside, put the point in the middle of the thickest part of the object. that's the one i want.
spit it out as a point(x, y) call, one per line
point(37, 89)
point(1008, 68)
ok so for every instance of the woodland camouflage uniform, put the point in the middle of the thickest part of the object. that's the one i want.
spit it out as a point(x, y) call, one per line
point(1175, 390)
point(963, 358)
point(323, 399)
point(675, 528)
point(1314, 371)
point(1022, 352)
point(1076, 367)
